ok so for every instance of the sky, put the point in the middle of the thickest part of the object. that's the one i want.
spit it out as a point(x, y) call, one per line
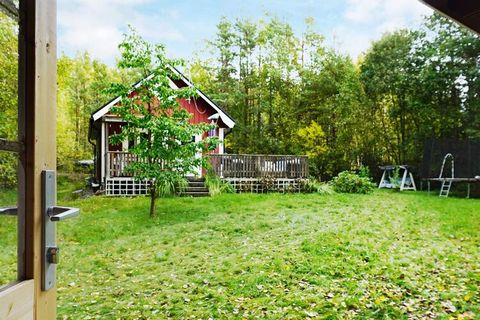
point(183, 26)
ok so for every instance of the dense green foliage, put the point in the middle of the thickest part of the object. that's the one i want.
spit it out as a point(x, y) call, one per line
point(291, 94)
point(315, 186)
point(82, 84)
point(378, 256)
point(216, 185)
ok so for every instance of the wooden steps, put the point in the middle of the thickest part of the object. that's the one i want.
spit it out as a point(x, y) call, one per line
point(196, 188)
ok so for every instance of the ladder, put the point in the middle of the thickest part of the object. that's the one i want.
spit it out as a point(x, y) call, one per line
point(446, 182)
point(445, 190)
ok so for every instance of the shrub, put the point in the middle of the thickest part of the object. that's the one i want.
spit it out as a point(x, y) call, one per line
point(315, 186)
point(364, 172)
point(216, 185)
point(267, 184)
point(349, 182)
point(8, 170)
point(171, 185)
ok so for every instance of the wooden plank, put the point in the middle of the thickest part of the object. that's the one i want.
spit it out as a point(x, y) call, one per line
point(16, 301)
point(9, 8)
point(37, 114)
point(10, 146)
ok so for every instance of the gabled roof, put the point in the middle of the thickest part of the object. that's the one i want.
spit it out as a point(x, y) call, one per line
point(229, 122)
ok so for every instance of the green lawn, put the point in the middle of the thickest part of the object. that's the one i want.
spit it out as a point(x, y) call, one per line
point(386, 255)
point(8, 239)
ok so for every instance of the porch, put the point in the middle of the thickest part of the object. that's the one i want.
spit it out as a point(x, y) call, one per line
point(261, 173)
point(117, 162)
point(227, 165)
point(246, 173)
point(119, 182)
point(230, 166)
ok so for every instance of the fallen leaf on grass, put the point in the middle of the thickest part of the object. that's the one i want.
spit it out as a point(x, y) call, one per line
point(449, 307)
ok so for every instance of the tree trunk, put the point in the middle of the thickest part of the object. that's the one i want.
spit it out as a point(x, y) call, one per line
point(153, 197)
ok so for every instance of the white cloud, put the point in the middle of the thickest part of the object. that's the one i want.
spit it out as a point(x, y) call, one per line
point(367, 20)
point(361, 10)
point(97, 26)
point(398, 12)
point(350, 41)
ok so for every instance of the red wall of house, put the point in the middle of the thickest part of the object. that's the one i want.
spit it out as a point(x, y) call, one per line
point(199, 109)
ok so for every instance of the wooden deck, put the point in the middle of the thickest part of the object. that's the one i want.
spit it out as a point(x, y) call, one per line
point(228, 165)
point(260, 166)
point(246, 173)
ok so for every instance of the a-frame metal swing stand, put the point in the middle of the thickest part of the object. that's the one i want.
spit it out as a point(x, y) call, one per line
point(406, 183)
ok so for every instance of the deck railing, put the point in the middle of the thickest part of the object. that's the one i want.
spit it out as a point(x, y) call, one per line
point(228, 165)
point(259, 166)
point(117, 161)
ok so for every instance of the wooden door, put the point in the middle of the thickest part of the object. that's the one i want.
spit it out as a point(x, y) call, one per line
point(25, 298)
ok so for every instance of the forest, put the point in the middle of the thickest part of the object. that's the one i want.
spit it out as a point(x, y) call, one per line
point(291, 94)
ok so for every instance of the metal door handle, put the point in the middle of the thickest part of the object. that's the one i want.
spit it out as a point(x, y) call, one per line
point(57, 213)
point(51, 214)
point(9, 211)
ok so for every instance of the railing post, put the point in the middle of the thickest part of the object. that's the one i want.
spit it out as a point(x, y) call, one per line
point(108, 166)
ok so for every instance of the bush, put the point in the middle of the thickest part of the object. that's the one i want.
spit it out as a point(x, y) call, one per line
point(171, 185)
point(267, 184)
point(364, 172)
point(8, 170)
point(315, 186)
point(216, 185)
point(349, 182)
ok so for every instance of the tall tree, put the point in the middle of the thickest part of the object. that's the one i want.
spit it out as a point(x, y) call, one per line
point(447, 61)
point(387, 77)
point(332, 96)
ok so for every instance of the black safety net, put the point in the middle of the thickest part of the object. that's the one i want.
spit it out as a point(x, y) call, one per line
point(466, 155)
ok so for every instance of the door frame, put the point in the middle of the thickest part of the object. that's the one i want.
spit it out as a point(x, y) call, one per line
point(36, 136)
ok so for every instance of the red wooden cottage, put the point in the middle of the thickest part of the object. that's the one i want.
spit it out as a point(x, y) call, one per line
point(111, 159)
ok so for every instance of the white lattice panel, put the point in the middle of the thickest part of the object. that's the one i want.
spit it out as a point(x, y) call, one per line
point(117, 187)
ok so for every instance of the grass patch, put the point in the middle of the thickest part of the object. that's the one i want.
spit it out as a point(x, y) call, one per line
point(8, 238)
point(386, 255)
point(236, 256)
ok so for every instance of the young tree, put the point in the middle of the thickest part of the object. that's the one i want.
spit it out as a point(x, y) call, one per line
point(154, 120)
